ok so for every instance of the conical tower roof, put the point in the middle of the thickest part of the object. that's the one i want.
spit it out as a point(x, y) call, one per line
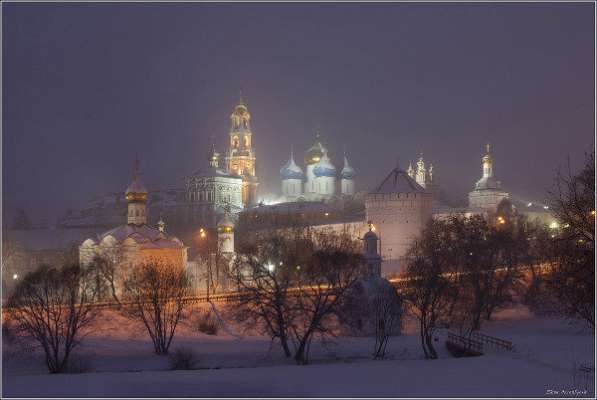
point(398, 181)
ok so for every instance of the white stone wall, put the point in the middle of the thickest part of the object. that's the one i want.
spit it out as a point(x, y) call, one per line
point(347, 187)
point(398, 218)
point(218, 191)
point(325, 186)
point(292, 188)
point(310, 183)
point(137, 214)
point(226, 242)
point(487, 199)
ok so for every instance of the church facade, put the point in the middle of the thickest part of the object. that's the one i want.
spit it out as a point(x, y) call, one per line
point(488, 192)
point(320, 181)
point(136, 241)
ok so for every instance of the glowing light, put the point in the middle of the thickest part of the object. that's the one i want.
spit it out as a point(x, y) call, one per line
point(501, 220)
point(554, 225)
point(372, 227)
point(202, 233)
point(530, 204)
point(326, 214)
point(546, 207)
point(593, 213)
point(270, 267)
point(15, 276)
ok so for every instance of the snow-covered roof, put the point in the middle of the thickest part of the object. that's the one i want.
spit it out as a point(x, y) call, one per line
point(290, 170)
point(324, 167)
point(487, 182)
point(398, 181)
point(147, 236)
point(211, 172)
point(347, 172)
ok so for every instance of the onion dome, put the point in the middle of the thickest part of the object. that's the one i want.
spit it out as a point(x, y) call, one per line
point(347, 172)
point(290, 170)
point(136, 192)
point(324, 167)
point(225, 225)
point(315, 153)
point(241, 109)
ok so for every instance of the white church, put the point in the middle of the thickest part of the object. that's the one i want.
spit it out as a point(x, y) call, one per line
point(321, 181)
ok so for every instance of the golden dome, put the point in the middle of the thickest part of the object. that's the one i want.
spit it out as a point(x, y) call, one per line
point(315, 153)
point(132, 197)
point(136, 192)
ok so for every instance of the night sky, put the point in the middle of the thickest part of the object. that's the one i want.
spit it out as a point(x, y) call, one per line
point(87, 88)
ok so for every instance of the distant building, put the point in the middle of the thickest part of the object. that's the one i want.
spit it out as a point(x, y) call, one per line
point(399, 208)
point(240, 157)
point(320, 180)
point(211, 191)
point(134, 242)
point(487, 193)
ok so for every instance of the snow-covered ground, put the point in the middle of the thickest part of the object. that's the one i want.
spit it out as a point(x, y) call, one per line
point(548, 351)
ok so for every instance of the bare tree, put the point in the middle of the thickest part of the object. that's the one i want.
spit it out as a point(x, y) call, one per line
point(156, 291)
point(387, 318)
point(264, 272)
point(105, 278)
point(431, 291)
point(488, 258)
point(52, 306)
point(292, 282)
point(572, 250)
point(322, 284)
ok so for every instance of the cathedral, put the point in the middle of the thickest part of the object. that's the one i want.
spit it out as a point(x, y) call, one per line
point(321, 179)
point(488, 192)
point(221, 198)
point(136, 241)
point(215, 190)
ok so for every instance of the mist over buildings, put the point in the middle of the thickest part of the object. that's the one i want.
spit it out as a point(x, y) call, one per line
point(88, 88)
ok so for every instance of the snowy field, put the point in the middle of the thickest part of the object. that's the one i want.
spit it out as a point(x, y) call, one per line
point(121, 364)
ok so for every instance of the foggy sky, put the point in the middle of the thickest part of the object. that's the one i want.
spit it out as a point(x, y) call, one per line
point(87, 88)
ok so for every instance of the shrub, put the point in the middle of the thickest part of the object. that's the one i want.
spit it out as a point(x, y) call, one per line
point(207, 323)
point(182, 358)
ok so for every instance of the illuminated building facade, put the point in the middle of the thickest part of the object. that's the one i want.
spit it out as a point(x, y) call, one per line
point(240, 157)
point(320, 180)
point(135, 242)
point(487, 193)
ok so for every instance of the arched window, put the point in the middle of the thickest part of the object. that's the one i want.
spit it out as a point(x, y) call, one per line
point(247, 142)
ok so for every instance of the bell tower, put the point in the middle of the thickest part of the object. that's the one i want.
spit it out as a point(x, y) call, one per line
point(240, 157)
